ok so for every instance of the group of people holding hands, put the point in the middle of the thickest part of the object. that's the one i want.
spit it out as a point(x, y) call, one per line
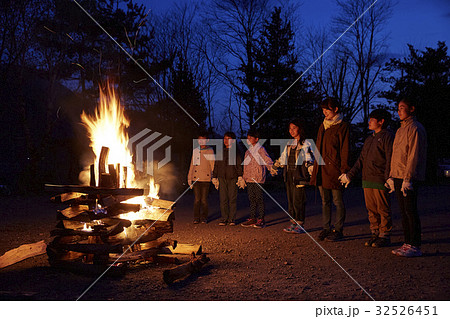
point(387, 163)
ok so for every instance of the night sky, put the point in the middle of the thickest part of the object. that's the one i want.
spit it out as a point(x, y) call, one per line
point(418, 22)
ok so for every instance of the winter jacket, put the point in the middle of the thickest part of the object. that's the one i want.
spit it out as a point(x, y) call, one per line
point(304, 158)
point(409, 153)
point(201, 167)
point(256, 164)
point(222, 168)
point(333, 144)
point(375, 158)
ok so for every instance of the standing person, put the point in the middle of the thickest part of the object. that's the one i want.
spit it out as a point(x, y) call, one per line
point(295, 159)
point(375, 163)
point(226, 175)
point(333, 145)
point(256, 164)
point(199, 177)
point(408, 165)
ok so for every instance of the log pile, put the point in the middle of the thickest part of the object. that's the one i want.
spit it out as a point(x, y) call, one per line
point(94, 233)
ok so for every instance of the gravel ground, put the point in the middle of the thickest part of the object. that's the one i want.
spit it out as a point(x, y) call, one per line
point(249, 263)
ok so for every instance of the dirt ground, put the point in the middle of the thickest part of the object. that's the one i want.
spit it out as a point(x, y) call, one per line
point(249, 263)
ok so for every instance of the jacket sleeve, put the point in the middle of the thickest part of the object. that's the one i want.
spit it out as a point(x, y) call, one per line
point(212, 160)
point(358, 164)
point(216, 165)
point(266, 158)
point(239, 169)
point(283, 157)
point(417, 145)
point(345, 148)
point(389, 141)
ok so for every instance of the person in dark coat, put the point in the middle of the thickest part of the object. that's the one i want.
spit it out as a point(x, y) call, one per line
point(333, 145)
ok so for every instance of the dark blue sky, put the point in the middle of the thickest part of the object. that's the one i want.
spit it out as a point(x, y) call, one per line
point(419, 22)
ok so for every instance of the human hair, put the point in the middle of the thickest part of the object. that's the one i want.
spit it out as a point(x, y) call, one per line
point(381, 114)
point(411, 102)
point(230, 135)
point(331, 103)
point(301, 131)
point(203, 133)
point(253, 133)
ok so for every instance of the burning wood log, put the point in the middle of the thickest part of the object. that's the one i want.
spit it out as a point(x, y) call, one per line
point(73, 211)
point(68, 197)
point(161, 203)
point(185, 269)
point(103, 177)
point(22, 252)
point(94, 190)
point(93, 181)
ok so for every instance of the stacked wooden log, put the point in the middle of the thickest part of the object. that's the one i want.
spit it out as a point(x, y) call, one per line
point(91, 235)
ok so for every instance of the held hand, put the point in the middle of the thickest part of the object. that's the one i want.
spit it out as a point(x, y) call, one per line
point(277, 164)
point(406, 186)
point(215, 181)
point(191, 186)
point(241, 183)
point(311, 170)
point(273, 171)
point(344, 180)
point(390, 184)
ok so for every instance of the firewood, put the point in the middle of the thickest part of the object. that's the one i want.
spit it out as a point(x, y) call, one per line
point(95, 190)
point(93, 181)
point(184, 270)
point(66, 197)
point(22, 252)
point(113, 174)
point(161, 203)
point(74, 211)
point(89, 248)
point(187, 249)
point(159, 243)
point(103, 177)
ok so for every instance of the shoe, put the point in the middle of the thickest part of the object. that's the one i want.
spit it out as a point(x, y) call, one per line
point(323, 234)
point(232, 223)
point(223, 223)
point(260, 224)
point(334, 236)
point(412, 251)
point(381, 242)
point(196, 221)
point(204, 221)
point(298, 230)
point(290, 229)
point(398, 250)
point(249, 223)
point(372, 239)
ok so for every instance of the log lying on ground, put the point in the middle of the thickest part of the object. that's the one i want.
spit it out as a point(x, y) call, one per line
point(23, 252)
point(94, 190)
point(135, 255)
point(187, 249)
point(185, 269)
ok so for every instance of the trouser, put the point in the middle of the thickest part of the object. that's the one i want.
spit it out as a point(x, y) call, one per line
point(256, 199)
point(410, 216)
point(296, 200)
point(327, 195)
point(228, 198)
point(201, 190)
point(379, 211)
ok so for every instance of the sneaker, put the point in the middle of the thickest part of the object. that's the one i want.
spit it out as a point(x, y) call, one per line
point(323, 234)
point(223, 223)
point(260, 224)
point(381, 242)
point(232, 224)
point(372, 239)
point(398, 250)
point(290, 229)
point(249, 223)
point(196, 221)
point(334, 236)
point(412, 251)
point(204, 221)
point(298, 230)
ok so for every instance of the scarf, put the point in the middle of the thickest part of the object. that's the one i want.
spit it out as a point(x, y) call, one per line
point(335, 120)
